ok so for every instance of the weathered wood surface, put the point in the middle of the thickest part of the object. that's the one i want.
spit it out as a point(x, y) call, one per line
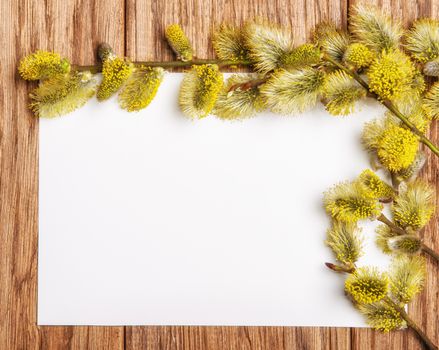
point(134, 28)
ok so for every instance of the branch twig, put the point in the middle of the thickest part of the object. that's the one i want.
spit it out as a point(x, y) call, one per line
point(170, 64)
point(388, 104)
point(410, 323)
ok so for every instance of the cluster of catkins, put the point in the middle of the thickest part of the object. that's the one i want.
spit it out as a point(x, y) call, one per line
point(411, 205)
point(287, 79)
point(375, 58)
point(394, 64)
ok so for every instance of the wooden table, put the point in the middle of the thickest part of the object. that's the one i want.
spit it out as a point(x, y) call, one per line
point(135, 29)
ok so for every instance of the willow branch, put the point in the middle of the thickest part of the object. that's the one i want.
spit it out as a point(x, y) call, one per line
point(388, 104)
point(400, 231)
point(171, 64)
point(391, 225)
point(410, 323)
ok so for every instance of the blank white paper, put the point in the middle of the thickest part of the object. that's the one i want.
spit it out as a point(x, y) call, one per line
point(154, 219)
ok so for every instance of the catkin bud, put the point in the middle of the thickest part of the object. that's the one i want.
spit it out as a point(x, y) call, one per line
point(179, 42)
point(431, 68)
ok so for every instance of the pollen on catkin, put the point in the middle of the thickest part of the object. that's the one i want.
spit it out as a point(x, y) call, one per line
point(140, 88)
point(345, 241)
point(293, 91)
point(382, 317)
point(62, 94)
point(332, 42)
point(397, 148)
point(304, 55)
point(115, 72)
point(374, 187)
point(422, 40)
point(199, 90)
point(405, 244)
point(358, 55)
point(267, 45)
point(410, 173)
point(239, 98)
point(414, 206)
point(373, 132)
point(383, 234)
point(229, 44)
point(413, 111)
point(179, 42)
point(42, 65)
point(367, 285)
point(348, 202)
point(374, 29)
point(341, 92)
point(391, 74)
point(431, 102)
point(407, 277)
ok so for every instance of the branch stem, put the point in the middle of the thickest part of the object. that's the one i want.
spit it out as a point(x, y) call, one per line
point(424, 248)
point(427, 250)
point(391, 225)
point(412, 324)
point(388, 104)
point(170, 64)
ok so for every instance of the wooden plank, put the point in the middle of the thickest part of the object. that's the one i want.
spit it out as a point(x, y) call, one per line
point(72, 28)
point(242, 338)
point(145, 23)
point(146, 20)
point(425, 309)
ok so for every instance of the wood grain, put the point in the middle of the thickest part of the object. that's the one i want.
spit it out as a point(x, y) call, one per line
point(425, 309)
point(72, 28)
point(135, 28)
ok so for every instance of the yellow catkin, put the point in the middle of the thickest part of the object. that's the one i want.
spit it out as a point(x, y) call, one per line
point(239, 98)
point(341, 92)
point(391, 74)
point(359, 55)
point(62, 94)
point(382, 317)
point(431, 102)
point(293, 91)
point(347, 202)
point(331, 41)
point(115, 71)
point(345, 241)
point(140, 88)
point(422, 40)
point(199, 90)
point(407, 276)
point(414, 206)
point(370, 26)
point(374, 186)
point(42, 65)
point(306, 54)
point(367, 285)
point(397, 148)
point(229, 44)
point(267, 45)
point(179, 42)
point(383, 234)
point(405, 244)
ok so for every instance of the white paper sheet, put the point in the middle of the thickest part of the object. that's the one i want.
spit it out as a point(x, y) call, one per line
point(153, 219)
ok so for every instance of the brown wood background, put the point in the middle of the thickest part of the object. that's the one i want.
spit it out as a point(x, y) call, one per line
point(134, 29)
